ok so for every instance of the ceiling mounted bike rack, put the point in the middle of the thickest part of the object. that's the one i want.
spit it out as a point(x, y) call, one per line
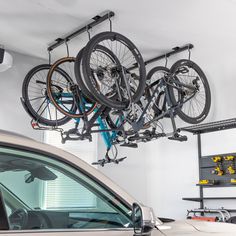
point(174, 51)
point(95, 21)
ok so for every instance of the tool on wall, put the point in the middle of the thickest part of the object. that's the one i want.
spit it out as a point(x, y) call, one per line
point(231, 166)
point(233, 181)
point(207, 182)
point(219, 167)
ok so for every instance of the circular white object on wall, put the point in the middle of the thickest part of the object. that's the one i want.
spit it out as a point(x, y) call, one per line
point(7, 62)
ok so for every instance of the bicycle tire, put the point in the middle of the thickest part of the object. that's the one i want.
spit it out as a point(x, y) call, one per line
point(37, 114)
point(79, 74)
point(74, 111)
point(113, 102)
point(106, 53)
point(198, 74)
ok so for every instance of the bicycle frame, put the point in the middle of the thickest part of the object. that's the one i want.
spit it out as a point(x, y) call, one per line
point(171, 109)
point(108, 135)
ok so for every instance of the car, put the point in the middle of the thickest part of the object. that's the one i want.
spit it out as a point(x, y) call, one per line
point(47, 191)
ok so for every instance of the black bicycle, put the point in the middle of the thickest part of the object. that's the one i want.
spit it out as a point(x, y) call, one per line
point(183, 90)
point(105, 72)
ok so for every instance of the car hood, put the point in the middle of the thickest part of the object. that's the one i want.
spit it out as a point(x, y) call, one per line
point(193, 227)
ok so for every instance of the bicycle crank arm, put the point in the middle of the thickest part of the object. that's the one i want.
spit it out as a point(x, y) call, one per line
point(178, 137)
point(40, 82)
point(105, 161)
point(74, 135)
point(44, 83)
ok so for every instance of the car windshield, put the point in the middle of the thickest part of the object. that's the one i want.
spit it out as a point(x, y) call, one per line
point(52, 194)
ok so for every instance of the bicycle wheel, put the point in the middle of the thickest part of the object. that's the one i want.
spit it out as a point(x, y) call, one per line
point(35, 96)
point(190, 84)
point(107, 74)
point(64, 92)
point(79, 75)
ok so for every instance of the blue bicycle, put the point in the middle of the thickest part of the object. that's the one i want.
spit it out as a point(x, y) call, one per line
point(45, 115)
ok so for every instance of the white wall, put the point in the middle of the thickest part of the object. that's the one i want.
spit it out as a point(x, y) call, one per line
point(131, 174)
point(12, 114)
point(161, 172)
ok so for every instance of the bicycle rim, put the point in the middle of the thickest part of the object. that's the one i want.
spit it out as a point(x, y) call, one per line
point(195, 104)
point(114, 68)
point(64, 92)
point(36, 99)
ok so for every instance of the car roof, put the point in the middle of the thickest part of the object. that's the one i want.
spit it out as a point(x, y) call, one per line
point(13, 139)
point(10, 133)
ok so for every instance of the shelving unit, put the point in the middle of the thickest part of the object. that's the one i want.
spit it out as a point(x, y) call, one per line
point(203, 129)
point(211, 127)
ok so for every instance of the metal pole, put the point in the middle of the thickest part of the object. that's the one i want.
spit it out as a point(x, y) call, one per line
point(166, 55)
point(96, 20)
point(199, 162)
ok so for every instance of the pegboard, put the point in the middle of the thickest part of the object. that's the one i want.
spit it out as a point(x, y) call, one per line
point(208, 170)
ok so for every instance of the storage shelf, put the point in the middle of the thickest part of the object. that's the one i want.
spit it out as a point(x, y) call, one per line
point(211, 127)
point(198, 199)
point(203, 169)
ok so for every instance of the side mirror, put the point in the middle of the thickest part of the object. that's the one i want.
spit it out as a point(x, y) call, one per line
point(143, 219)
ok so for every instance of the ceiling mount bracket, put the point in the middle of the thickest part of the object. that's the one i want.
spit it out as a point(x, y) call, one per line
point(165, 56)
point(95, 21)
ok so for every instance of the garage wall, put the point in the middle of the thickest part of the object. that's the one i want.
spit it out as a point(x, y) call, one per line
point(161, 172)
point(131, 174)
point(13, 116)
point(172, 166)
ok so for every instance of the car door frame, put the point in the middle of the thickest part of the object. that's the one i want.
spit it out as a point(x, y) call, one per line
point(5, 229)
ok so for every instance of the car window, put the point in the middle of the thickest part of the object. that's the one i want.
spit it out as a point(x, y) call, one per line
point(42, 193)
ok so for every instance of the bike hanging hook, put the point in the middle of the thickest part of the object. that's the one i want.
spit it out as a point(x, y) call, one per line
point(49, 57)
point(87, 29)
point(189, 52)
point(166, 60)
point(67, 48)
point(110, 21)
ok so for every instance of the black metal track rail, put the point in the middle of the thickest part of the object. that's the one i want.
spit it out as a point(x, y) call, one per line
point(198, 199)
point(95, 21)
point(174, 51)
point(211, 127)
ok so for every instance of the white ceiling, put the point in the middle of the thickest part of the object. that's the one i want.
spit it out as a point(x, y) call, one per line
point(28, 26)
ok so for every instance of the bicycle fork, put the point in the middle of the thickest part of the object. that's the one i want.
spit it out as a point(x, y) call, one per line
point(175, 135)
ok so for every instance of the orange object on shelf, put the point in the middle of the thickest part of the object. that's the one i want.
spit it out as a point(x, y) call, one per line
point(203, 218)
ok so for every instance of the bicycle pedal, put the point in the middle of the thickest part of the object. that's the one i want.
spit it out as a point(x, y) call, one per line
point(180, 138)
point(117, 112)
point(134, 138)
point(129, 132)
point(117, 161)
point(132, 145)
point(159, 135)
